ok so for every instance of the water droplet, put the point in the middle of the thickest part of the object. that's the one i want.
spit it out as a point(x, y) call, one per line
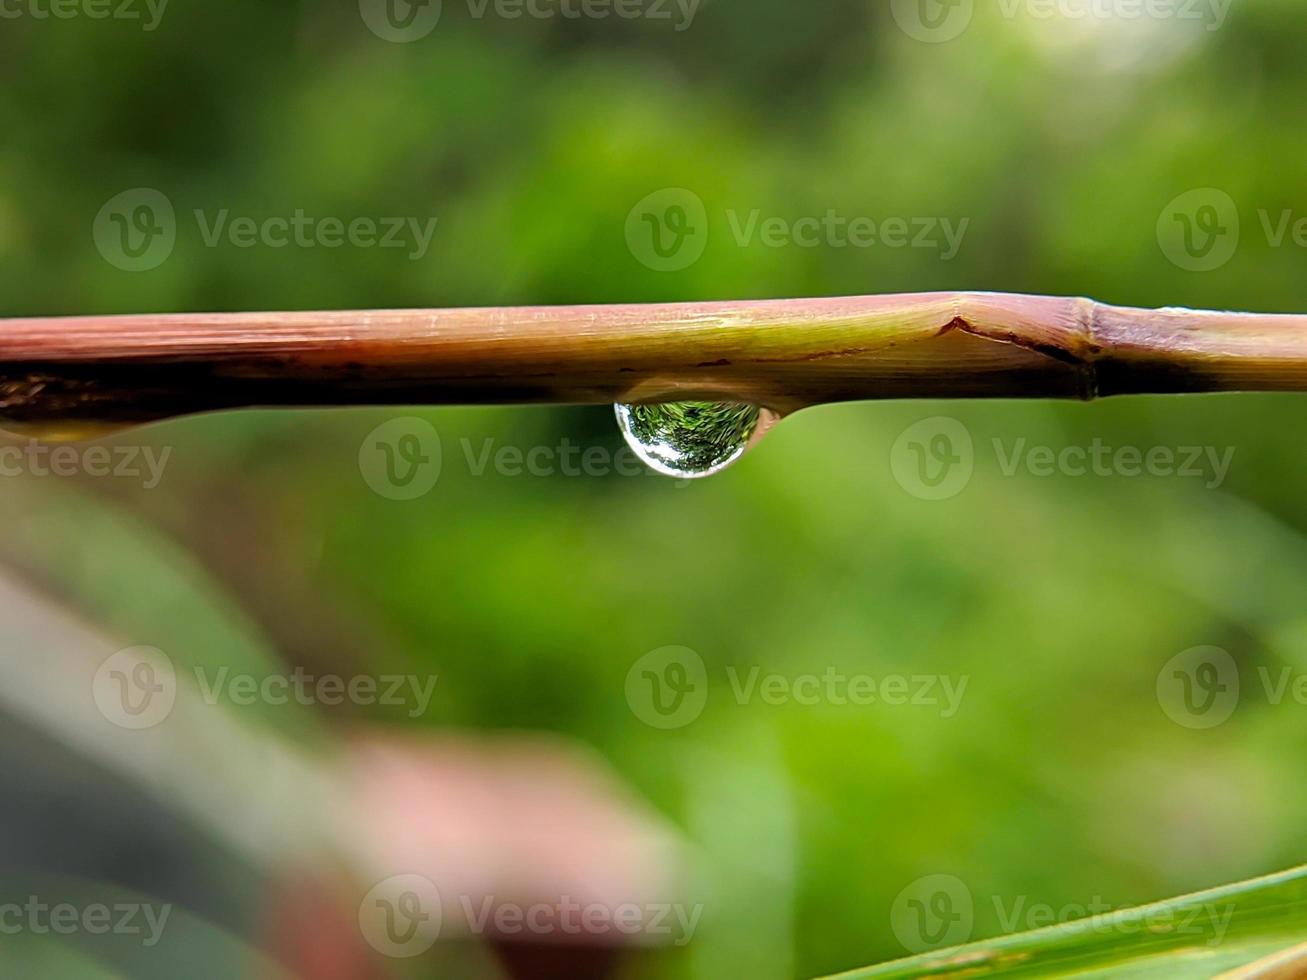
point(690, 440)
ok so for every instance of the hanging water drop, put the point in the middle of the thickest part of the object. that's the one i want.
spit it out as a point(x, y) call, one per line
point(690, 440)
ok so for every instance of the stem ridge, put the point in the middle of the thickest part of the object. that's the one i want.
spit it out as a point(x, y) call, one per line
point(781, 354)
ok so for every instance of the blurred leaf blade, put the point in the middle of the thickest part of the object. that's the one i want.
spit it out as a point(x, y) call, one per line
point(1207, 934)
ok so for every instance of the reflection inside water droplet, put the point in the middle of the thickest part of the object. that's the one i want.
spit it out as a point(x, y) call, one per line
point(691, 439)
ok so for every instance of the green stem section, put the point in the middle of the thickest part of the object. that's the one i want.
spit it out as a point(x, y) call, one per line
point(782, 354)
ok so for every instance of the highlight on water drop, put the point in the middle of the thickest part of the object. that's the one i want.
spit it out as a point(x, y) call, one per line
point(692, 439)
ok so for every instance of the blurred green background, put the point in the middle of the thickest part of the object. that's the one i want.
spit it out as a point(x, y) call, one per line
point(1062, 141)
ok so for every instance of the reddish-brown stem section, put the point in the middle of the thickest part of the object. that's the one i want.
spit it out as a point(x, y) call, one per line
point(781, 353)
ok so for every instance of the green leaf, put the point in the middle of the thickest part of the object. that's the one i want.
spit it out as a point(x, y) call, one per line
point(1208, 934)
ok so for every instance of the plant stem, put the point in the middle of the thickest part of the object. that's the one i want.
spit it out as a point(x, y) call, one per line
point(784, 354)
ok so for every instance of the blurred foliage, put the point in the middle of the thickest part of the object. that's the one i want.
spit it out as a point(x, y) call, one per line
point(1237, 930)
point(1060, 778)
